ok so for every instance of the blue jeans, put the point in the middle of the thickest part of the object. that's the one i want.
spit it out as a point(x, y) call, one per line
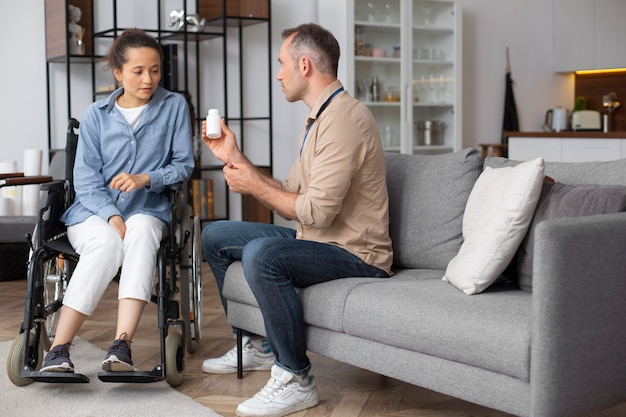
point(275, 263)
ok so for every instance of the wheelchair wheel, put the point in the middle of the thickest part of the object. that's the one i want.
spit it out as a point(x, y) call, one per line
point(55, 282)
point(174, 359)
point(15, 358)
point(191, 279)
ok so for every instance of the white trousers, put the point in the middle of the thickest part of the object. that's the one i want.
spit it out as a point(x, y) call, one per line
point(102, 253)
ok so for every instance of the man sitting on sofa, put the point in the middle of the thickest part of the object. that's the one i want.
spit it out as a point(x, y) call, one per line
point(336, 193)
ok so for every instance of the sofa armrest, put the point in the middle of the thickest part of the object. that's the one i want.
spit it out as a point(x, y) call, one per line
point(578, 349)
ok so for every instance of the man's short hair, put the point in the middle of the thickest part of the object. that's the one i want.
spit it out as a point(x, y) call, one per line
point(317, 43)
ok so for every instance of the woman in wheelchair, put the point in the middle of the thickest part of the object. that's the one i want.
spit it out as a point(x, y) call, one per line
point(132, 146)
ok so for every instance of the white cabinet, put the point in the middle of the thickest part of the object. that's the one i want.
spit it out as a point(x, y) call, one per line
point(413, 49)
point(566, 149)
point(610, 32)
point(582, 150)
point(526, 149)
point(573, 39)
point(588, 34)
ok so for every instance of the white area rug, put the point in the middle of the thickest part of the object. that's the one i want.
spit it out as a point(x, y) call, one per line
point(95, 399)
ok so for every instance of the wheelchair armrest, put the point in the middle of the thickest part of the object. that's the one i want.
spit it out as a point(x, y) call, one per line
point(175, 199)
point(11, 175)
point(52, 185)
point(15, 179)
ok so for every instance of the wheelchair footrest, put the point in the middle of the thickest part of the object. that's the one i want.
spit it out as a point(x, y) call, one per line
point(139, 377)
point(58, 377)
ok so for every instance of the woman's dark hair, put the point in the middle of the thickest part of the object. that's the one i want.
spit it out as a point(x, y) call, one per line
point(317, 43)
point(131, 38)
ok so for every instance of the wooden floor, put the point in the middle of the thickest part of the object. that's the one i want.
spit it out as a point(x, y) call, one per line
point(344, 390)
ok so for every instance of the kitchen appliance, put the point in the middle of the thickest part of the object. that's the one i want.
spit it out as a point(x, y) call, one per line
point(556, 119)
point(430, 132)
point(586, 120)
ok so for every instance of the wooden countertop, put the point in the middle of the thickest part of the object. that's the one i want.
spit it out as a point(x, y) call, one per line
point(568, 134)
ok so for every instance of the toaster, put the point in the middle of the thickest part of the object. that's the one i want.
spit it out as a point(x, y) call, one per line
point(586, 120)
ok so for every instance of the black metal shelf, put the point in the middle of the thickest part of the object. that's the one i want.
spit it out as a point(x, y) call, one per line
point(221, 27)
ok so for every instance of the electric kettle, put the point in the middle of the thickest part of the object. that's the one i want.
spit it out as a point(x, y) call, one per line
point(556, 119)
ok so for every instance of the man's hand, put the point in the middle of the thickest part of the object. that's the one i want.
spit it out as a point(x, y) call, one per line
point(245, 178)
point(225, 147)
point(242, 178)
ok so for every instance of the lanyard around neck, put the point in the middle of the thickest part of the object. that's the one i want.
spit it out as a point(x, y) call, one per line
point(339, 90)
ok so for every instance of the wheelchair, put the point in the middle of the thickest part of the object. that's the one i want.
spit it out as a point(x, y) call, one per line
point(177, 291)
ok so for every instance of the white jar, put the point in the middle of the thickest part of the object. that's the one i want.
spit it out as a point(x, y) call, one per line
point(213, 126)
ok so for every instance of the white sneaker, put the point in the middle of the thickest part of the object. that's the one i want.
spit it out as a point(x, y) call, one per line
point(252, 359)
point(284, 393)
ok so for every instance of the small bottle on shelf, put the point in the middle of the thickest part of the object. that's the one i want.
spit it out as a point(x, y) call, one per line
point(375, 89)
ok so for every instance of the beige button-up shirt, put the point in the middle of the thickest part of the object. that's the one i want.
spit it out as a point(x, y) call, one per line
point(340, 176)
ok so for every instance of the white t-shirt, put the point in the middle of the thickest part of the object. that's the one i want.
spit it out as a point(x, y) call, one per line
point(132, 115)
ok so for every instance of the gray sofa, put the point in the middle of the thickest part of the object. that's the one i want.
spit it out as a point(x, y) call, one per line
point(559, 350)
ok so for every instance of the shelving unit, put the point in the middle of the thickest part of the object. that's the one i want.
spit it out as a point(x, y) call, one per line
point(243, 22)
point(60, 64)
point(419, 72)
point(74, 81)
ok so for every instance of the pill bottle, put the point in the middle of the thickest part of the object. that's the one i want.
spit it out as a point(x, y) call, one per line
point(213, 127)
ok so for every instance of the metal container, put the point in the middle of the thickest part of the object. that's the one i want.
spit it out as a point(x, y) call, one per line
point(430, 132)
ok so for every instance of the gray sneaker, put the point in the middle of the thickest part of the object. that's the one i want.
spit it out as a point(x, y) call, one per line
point(284, 393)
point(58, 360)
point(118, 358)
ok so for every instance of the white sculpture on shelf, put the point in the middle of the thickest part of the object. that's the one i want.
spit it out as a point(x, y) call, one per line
point(76, 31)
point(193, 21)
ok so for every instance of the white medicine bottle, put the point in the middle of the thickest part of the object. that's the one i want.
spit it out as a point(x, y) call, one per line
point(213, 126)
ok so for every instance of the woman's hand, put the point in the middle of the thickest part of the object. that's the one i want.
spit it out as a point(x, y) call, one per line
point(128, 182)
point(117, 222)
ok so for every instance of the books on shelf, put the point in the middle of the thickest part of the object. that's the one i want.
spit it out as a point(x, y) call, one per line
point(202, 198)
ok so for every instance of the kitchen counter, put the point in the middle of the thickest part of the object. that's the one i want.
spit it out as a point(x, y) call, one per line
point(583, 134)
point(566, 146)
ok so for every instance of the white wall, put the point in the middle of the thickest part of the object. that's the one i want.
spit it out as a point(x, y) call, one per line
point(488, 27)
point(525, 26)
point(23, 75)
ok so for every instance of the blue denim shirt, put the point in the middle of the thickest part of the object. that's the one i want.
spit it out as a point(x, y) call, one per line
point(161, 146)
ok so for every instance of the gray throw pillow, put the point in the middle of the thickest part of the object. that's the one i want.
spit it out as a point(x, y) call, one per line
point(559, 200)
point(427, 198)
point(594, 173)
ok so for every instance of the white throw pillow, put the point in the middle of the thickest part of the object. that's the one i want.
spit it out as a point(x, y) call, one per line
point(496, 219)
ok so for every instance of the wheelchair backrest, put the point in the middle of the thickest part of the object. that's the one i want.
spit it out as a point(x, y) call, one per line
point(59, 194)
point(70, 157)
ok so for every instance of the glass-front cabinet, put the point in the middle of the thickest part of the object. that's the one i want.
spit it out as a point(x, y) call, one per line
point(403, 60)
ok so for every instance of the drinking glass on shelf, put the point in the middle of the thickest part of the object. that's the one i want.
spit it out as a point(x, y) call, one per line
point(417, 94)
point(421, 90)
point(442, 89)
point(438, 54)
point(431, 85)
point(427, 11)
point(371, 12)
point(387, 13)
point(387, 137)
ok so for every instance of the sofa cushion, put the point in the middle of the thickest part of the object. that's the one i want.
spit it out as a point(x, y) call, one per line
point(559, 200)
point(498, 214)
point(600, 172)
point(492, 331)
point(322, 304)
point(427, 196)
